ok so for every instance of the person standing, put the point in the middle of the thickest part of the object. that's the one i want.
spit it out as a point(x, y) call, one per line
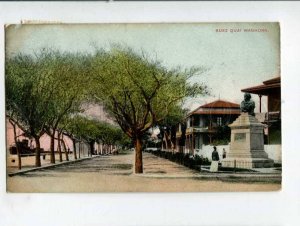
point(224, 153)
point(215, 160)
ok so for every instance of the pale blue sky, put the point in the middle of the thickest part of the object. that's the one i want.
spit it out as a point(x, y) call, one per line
point(234, 60)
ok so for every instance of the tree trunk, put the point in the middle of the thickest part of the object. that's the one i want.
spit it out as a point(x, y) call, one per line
point(37, 152)
point(79, 147)
point(64, 147)
point(52, 154)
point(59, 147)
point(92, 148)
point(17, 146)
point(138, 156)
point(74, 148)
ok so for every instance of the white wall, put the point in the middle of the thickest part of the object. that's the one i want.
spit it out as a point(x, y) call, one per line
point(208, 149)
point(273, 151)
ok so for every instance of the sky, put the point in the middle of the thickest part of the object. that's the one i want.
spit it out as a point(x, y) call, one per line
point(234, 56)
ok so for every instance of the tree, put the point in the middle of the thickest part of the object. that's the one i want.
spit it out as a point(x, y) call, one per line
point(125, 142)
point(43, 89)
point(71, 128)
point(27, 96)
point(91, 131)
point(168, 125)
point(110, 135)
point(88, 132)
point(66, 74)
point(138, 91)
point(14, 125)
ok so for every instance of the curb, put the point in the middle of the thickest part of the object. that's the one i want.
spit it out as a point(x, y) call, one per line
point(213, 176)
point(271, 178)
point(50, 166)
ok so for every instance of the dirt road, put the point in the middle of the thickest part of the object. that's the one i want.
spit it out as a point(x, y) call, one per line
point(115, 174)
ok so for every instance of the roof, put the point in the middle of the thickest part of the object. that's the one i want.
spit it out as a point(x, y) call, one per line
point(266, 87)
point(218, 107)
point(220, 104)
point(272, 81)
point(217, 112)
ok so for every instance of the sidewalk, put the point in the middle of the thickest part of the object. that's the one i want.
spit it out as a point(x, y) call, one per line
point(29, 166)
point(157, 167)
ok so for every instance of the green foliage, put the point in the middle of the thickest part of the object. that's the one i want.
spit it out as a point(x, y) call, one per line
point(222, 136)
point(217, 142)
point(175, 115)
point(138, 91)
point(125, 142)
point(275, 137)
point(45, 91)
point(44, 88)
point(200, 160)
point(26, 98)
point(89, 130)
point(66, 74)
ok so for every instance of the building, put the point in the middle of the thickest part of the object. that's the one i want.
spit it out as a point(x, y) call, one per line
point(272, 119)
point(92, 111)
point(205, 125)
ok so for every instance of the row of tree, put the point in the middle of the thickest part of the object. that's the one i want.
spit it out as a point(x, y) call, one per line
point(92, 131)
point(45, 92)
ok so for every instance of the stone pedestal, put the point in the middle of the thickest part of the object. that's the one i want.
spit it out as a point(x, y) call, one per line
point(247, 144)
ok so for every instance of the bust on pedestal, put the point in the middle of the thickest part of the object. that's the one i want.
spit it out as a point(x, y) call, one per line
point(247, 140)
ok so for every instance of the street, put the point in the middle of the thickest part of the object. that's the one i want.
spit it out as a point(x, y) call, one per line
point(114, 173)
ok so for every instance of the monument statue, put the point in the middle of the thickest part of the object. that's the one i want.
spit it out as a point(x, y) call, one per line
point(247, 104)
point(247, 140)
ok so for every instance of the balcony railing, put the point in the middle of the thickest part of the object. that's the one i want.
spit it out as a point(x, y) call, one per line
point(198, 129)
point(178, 134)
point(273, 116)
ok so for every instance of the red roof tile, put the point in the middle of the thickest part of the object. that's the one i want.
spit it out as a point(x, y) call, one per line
point(217, 107)
point(217, 112)
point(220, 104)
point(265, 88)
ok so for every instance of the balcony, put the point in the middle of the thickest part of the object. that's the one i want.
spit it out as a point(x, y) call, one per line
point(178, 134)
point(271, 117)
point(198, 129)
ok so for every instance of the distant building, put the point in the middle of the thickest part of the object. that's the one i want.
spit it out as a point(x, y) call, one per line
point(90, 110)
point(272, 89)
point(203, 125)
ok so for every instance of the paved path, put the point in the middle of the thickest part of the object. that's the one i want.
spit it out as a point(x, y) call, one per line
point(28, 162)
point(115, 174)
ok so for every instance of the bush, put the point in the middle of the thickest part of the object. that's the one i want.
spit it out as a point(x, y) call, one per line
point(220, 142)
point(193, 162)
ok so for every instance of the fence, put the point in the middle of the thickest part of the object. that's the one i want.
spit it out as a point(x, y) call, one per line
point(273, 151)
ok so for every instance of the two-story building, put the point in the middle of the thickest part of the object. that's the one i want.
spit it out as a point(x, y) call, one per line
point(204, 125)
point(272, 90)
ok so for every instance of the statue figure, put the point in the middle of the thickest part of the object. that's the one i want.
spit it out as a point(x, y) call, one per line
point(248, 105)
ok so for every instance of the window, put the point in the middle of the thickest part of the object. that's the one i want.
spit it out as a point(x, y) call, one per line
point(196, 120)
point(188, 123)
point(219, 121)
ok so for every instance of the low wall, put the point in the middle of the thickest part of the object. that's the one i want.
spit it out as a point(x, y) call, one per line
point(208, 149)
point(273, 151)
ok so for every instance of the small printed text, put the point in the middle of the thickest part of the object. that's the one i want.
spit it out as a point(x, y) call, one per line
point(237, 30)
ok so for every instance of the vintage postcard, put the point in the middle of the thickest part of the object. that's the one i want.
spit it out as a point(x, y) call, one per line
point(165, 107)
